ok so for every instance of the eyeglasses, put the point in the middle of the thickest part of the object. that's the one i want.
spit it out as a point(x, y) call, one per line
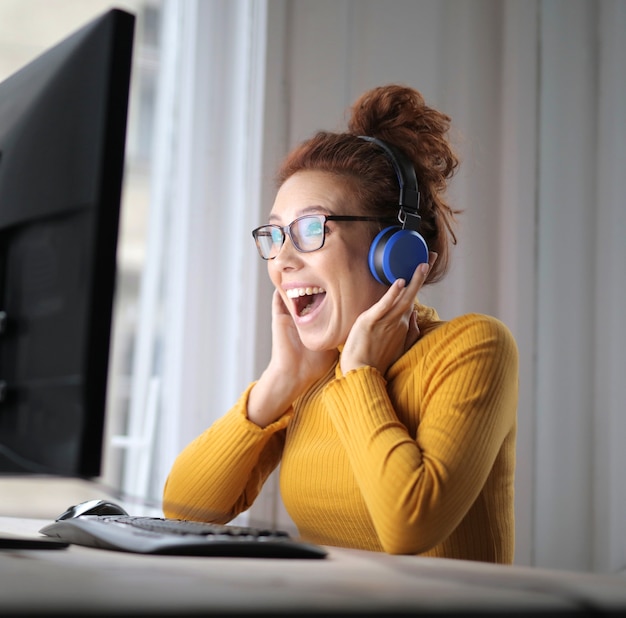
point(307, 233)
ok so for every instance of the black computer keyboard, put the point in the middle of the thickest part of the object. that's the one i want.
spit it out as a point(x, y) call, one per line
point(154, 535)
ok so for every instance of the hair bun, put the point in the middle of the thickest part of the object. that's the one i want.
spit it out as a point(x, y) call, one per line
point(386, 109)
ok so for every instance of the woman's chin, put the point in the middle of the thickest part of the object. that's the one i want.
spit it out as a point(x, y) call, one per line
point(313, 345)
point(316, 343)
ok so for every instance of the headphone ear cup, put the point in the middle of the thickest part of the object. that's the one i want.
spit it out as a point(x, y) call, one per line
point(395, 254)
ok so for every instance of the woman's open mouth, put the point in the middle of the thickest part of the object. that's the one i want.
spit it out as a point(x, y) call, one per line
point(305, 300)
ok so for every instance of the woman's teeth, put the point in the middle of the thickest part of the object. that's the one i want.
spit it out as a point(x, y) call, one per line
point(296, 292)
point(305, 299)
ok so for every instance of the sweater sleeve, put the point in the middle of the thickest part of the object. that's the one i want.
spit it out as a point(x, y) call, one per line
point(420, 474)
point(220, 473)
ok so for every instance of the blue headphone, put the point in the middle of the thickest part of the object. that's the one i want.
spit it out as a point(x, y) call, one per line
point(397, 251)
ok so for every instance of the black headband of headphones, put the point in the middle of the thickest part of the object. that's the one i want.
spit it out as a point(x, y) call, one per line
point(407, 179)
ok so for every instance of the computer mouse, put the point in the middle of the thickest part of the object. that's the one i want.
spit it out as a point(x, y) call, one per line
point(92, 507)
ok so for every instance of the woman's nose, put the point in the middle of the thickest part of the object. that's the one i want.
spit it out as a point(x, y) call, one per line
point(287, 253)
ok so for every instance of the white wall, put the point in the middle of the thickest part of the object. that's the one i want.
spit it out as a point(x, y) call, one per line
point(581, 288)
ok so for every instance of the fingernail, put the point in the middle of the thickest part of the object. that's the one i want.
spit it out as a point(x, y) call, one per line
point(424, 268)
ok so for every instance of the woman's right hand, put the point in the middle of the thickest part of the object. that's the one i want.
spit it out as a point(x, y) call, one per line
point(292, 369)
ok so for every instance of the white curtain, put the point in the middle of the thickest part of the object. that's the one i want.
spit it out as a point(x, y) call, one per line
point(199, 289)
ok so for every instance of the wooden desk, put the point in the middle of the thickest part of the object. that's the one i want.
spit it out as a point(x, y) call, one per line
point(83, 581)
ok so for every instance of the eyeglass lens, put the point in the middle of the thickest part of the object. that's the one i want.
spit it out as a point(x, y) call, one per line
point(306, 234)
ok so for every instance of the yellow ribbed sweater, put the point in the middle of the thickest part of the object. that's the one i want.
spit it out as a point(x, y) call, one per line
point(419, 461)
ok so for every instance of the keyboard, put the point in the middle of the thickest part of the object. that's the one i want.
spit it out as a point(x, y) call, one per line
point(154, 535)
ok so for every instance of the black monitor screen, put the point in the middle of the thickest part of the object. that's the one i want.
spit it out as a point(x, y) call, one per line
point(62, 138)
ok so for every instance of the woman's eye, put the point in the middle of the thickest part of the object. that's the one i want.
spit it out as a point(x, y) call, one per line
point(313, 228)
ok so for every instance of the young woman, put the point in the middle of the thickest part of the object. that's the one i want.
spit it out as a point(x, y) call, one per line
point(395, 430)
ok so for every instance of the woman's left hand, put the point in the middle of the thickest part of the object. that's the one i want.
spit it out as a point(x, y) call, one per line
point(388, 328)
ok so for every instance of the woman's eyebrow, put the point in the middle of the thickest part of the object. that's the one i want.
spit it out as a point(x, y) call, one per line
point(307, 210)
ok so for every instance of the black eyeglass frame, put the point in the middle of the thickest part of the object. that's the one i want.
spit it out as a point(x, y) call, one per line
point(286, 230)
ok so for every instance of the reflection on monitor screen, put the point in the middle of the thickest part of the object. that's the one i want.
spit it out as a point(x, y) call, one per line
point(62, 138)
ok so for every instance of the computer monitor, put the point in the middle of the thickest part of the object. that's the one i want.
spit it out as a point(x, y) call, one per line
point(62, 142)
